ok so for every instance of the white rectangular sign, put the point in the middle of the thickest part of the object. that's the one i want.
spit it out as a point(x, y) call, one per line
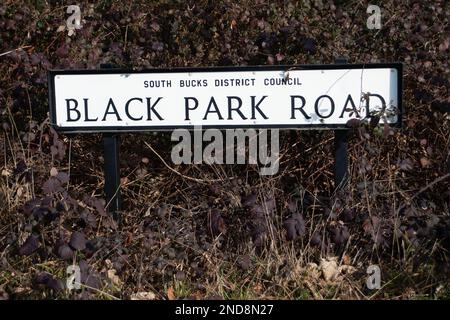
point(316, 96)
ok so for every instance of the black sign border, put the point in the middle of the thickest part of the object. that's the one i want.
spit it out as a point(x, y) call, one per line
point(115, 129)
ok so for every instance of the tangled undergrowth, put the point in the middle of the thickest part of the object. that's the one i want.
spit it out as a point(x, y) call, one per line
point(224, 231)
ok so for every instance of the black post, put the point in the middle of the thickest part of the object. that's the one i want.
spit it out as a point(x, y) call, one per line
point(112, 173)
point(340, 150)
point(111, 169)
point(341, 158)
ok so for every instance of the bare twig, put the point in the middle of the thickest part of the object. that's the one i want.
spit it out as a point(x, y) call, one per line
point(428, 186)
point(11, 51)
point(178, 173)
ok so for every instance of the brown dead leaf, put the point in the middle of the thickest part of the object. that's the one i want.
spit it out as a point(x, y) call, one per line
point(346, 269)
point(216, 223)
point(329, 268)
point(258, 288)
point(143, 296)
point(170, 294)
point(312, 271)
point(53, 172)
point(115, 280)
point(425, 162)
point(346, 259)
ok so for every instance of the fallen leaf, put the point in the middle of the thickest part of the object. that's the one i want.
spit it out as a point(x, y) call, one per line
point(53, 172)
point(216, 223)
point(347, 269)
point(244, 262)
point(329, 268)
point(143, 296)
point(425, 162)
point(371, 224)
point(61, 28)
point(92, 280)
point(170, 294)
point(346, 259)
point(405, 165)
point(312, 271)
point(114, 277)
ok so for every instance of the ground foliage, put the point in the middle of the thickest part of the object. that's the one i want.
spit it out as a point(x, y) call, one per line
point(224, 231)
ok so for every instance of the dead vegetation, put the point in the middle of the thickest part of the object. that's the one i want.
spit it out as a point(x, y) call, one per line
point(201, 231)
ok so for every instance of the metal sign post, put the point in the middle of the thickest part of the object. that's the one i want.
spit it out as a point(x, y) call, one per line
point(340, 150)
point(111, 168)
point(112, 173)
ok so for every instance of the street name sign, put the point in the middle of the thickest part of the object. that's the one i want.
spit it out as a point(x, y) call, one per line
point(302, 97)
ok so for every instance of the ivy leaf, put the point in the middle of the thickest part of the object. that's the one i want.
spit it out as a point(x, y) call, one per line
point(340, 235)
point(249, 200)
point(49, 281)
point(216, 223)
point(52, 185)
point(371, 224)
point(316, 239)
point(20, 168)
point(295, 226)
point(271, 204)
point(77, 241)
point(62, 51)
point(374, 121)
point(309, 44)
point(63, 177)
point(348, 215)
point(65, 252)
point(29, 246)
point(353, 123)
point(405, 165)
point(30, 206)
point(244, 262)
point(292, 206)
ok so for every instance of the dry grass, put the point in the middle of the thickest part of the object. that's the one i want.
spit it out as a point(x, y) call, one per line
point(189, 231)
point(165, 245)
